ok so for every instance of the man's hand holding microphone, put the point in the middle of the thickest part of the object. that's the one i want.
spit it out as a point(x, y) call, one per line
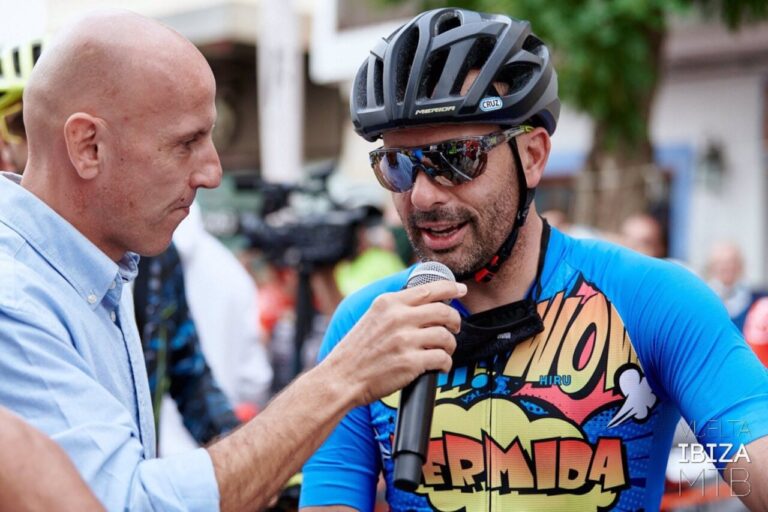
point(401, 337)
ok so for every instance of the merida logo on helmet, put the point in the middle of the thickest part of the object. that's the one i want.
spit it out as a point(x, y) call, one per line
point(490, 103)
point(434, 110)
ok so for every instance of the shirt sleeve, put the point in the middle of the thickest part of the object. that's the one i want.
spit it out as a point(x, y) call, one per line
point(49, 383)
point(695, 355)
point(345, 469)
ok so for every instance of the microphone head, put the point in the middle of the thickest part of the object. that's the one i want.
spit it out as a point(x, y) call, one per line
point(428, 272)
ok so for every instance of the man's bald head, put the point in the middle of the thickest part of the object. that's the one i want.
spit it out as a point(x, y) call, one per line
point(105, 64)
point(119, 113)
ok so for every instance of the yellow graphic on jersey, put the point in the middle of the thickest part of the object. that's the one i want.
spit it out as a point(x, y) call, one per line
point(544, 464)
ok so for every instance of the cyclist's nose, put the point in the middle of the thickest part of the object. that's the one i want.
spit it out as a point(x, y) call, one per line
point(426, 192)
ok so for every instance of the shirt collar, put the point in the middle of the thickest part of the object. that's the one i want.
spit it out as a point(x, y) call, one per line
point(89, 270)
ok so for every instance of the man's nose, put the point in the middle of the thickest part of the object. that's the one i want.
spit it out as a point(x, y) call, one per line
point(209, 174)
point(426, 192)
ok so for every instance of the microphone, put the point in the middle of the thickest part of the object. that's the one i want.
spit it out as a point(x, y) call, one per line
point(417, 401)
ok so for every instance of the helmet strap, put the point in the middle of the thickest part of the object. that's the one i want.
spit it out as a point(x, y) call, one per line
point(525, 197)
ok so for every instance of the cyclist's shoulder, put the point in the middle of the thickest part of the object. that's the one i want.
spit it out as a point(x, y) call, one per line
point(606, 258)
point(627, 278)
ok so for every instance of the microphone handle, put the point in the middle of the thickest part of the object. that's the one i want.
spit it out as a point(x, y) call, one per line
point(414, 423)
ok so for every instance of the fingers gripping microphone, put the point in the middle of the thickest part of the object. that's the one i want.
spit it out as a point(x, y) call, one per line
point(417, 400)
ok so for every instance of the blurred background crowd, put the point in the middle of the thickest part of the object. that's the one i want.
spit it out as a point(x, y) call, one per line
point(662, 147)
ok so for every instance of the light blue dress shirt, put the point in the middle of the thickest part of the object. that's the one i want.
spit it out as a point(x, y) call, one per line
point(71, 361)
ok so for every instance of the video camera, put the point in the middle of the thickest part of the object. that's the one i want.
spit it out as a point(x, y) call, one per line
point(301, 223)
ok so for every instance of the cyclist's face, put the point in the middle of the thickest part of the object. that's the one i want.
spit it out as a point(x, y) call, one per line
point(460, 226)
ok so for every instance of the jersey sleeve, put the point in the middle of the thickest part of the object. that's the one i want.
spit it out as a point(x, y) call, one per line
point(694, 355)
point(345, 469)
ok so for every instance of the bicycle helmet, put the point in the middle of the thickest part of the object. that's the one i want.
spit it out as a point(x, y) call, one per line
point(16, 64)
point(416, 75)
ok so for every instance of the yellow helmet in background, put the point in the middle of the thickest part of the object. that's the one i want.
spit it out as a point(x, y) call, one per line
point(16, 63)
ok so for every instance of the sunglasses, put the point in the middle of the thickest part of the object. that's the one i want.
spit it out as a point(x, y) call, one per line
point(12, 124)
point(449, 163)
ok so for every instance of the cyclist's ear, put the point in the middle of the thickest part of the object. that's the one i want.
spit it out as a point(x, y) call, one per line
point(534, 151)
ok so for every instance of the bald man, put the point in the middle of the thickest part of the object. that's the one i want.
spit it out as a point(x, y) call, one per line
point(119, 112)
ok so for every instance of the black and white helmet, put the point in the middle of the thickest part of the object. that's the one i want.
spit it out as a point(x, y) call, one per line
point(415, 76)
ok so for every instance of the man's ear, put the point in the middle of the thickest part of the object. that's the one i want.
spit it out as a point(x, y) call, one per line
point(82, 134)
point(534, 151)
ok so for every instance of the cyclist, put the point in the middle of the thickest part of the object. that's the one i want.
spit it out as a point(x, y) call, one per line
point(574, 356)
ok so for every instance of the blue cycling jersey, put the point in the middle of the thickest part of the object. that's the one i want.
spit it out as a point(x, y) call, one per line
point(579, 417)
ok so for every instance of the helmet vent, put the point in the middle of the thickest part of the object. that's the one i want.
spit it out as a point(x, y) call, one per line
point(378, 82)
point(447, 22)
point(432, 72)
point(361, 98)
point(405, 56)
point(517, 75)
point(476, 57)
point(532, 44)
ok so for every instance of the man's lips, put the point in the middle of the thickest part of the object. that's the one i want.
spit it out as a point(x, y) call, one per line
point(442, 236)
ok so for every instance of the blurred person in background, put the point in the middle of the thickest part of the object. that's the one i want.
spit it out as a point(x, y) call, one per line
point(119, 114)
point(5, 164)
point(374, 258)
point(643, 233)
point(14, 146)
point(16, 63)
point(560, 220)
point(35, 474)
point(223, 301)
point(725, 275)
point(175, 361)
point(280, 284)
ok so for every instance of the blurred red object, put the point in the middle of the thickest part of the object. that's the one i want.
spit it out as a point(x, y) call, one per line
point(756, 329)
point(246, 411)
point(274, 301)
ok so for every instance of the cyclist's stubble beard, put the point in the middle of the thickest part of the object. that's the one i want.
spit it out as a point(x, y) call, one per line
point(487, 230)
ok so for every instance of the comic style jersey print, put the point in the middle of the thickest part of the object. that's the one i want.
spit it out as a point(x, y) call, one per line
point(579, 417)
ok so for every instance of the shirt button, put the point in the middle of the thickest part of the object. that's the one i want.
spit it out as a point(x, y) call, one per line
point(92, 299)
point(113, 316)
